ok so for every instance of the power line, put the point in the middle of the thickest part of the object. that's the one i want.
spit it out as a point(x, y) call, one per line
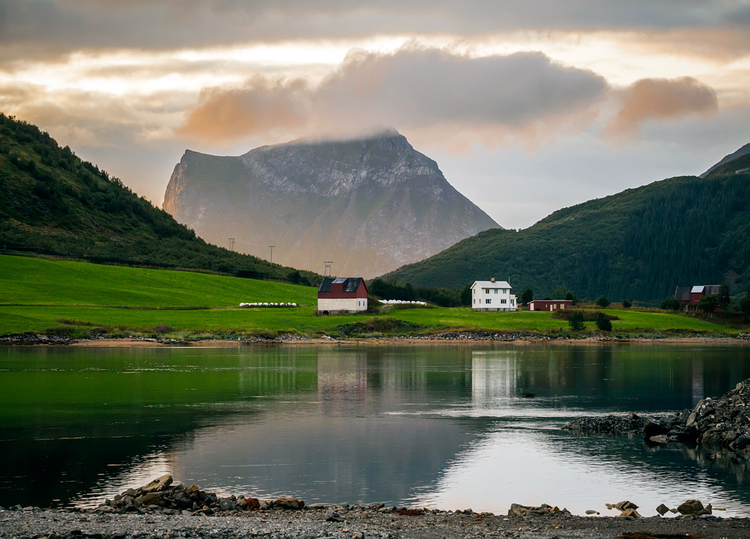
point(231, 244)
point(272, 246)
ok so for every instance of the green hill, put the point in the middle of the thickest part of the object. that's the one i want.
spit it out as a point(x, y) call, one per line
point(638, 244)
point(52, 202)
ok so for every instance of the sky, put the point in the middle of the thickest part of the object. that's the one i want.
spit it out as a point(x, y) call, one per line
point(527, 106)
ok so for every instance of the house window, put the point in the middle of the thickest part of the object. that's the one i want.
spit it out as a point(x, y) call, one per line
point(486, 290)
point(488, 301)
point(503, 301)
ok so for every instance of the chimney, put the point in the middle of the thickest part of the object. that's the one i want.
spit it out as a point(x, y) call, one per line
point(492, 280)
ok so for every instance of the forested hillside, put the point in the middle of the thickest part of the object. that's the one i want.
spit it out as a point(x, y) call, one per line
point(52, 202)
point(638, 244)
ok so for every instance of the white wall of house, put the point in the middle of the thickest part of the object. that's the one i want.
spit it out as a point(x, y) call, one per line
point(347, 304)
point(492, 296)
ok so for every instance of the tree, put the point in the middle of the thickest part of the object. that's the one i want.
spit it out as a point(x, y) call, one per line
point(560, 293)
point(708, 304)
point(670, 304)
point(576, 321)
point(527, 296)
point(723, 298)
point(602, 302)
point(466, 295)
point(745, 304)
point(626, 304)
point(603, 322)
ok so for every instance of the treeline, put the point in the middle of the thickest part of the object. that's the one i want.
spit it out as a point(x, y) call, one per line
point(639, 244)
point(52, 202)
point(406, 292)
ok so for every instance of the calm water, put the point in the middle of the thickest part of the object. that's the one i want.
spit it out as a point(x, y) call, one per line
point(448, 427)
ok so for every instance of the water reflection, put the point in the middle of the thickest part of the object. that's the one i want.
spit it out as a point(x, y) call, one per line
point(448, 427)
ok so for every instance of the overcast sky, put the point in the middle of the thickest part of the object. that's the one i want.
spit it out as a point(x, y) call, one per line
point(527, 106)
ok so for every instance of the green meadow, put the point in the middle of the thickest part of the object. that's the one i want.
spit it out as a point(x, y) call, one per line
point(44, 295)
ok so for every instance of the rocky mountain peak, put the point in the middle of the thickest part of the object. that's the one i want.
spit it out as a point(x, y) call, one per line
point(372, 204)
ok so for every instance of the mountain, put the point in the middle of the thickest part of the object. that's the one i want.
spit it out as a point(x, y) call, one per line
point(369, 205)
point(52, 202)
point(727, 158)
point(639, 244)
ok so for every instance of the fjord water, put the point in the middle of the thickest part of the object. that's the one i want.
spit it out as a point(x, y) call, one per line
point(452, 427)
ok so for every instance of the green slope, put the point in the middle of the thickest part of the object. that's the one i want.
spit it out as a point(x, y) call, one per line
point(638, 244)
point(38, 295)
point(52, 202)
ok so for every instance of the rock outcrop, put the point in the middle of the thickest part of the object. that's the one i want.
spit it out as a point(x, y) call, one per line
point(369, 205)
point(721, 423)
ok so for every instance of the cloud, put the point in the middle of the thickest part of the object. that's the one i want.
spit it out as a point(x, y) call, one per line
point(64, 25)
point(661, 99)
point(411, 89)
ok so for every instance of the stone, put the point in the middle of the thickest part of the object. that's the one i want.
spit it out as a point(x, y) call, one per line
point(288, 503)
point(591, 512)
point(662, 509)
point(358, 535)
point(227, 504)
point(157, 484)
point(690, 507)
point(252, 504)
point(659, 439)
point(622, 506)
point(630, 513)
point(151, 498)
point(333, 516)
point(652, 428)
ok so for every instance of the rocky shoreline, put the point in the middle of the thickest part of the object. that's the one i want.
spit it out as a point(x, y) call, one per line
point(446, 337)
point(716, 423)
point(162, 510)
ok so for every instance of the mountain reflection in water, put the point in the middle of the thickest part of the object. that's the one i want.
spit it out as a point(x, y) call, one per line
point(428, 426)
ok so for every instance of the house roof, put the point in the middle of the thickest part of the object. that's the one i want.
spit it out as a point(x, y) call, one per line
point(551, 301)
point(351, 284)
point(682, 293)
point(697, 289)
point(490, 284)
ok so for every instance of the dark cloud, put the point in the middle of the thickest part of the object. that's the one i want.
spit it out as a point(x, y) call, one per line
point(73, 24)
point(661, 99)
point(414, 88)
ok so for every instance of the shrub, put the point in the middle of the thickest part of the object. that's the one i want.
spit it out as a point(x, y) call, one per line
point(626, 304)
point(745, 304)
point(603, 322)
point(576, 321)
point(708, 304)
point(603, 302)
point(672, 304)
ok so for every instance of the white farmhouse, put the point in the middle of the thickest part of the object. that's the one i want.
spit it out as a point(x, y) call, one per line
point(492, 296)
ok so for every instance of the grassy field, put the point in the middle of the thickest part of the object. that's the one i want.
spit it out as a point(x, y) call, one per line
point(40, 295)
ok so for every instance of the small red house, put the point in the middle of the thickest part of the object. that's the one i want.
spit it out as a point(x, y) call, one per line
point(690, 296)
point(342, 295)
point(550, 304)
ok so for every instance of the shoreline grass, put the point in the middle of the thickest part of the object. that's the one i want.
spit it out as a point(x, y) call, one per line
point(77, 298)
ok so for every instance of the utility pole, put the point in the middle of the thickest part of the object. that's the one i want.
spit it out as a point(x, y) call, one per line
point(271, 246)
point(231, 244)
point(327, 268)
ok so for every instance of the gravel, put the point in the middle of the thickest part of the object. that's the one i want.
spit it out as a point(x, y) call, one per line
point(355, 523)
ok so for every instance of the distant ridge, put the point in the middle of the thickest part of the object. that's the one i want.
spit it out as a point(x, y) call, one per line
point(370, 205)
point(637, 245)
point(731, 157)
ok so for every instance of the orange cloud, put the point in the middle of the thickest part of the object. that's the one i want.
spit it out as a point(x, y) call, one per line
point(414, 89)
point(260, 107)
point(661, 99)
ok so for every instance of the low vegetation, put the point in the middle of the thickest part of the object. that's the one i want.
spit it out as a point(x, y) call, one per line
point(82, 299)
